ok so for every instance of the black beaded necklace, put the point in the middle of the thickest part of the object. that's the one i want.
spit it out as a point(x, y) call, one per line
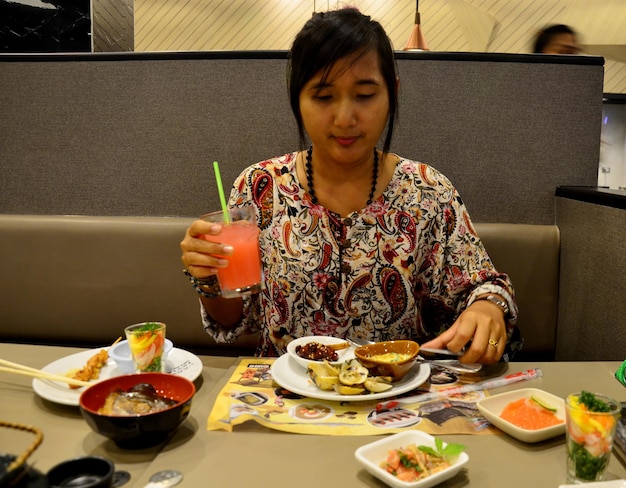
point(309, 176)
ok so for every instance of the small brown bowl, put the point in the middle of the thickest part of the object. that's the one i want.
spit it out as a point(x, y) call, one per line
point(371, 356)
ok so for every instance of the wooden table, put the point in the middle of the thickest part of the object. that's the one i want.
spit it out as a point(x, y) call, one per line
point(256, 456)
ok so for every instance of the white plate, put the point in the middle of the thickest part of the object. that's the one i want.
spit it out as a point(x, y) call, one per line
point(372, 455)
point(179, 361)
point(491, 408)
point(342, 354)
point(600, 484)
point(288, 374)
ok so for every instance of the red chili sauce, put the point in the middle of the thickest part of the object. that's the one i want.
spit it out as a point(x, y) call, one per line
point(528, 415)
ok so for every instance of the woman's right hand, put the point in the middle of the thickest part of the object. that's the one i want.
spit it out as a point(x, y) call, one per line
point(202, 257)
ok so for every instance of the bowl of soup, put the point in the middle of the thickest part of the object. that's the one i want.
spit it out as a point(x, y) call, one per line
point(389, 358)
point(138, 410)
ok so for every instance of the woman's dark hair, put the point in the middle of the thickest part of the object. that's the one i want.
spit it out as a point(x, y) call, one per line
point(545, 36)
point(330, 36)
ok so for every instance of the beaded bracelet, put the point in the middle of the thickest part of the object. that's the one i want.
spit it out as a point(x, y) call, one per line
point(207, 287)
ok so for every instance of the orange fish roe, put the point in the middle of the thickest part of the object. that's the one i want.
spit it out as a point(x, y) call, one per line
point(528, 415)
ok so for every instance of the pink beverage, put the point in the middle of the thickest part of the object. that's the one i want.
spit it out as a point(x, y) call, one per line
point(243, 274)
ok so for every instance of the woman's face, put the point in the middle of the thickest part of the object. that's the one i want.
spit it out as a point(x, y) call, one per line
point(562, 44)
point(346, 114)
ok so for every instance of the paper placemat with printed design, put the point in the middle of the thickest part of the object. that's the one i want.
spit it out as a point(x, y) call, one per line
point(252, 395)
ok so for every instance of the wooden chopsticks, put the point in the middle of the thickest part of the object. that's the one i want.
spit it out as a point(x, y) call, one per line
point(9, 367)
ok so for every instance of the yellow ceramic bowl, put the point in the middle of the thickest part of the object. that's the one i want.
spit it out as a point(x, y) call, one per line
point(390, 358)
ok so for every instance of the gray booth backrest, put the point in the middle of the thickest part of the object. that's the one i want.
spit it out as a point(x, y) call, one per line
point(136, 134)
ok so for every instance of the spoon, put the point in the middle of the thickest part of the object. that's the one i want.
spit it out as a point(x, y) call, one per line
point(120, 478)
point(164, 479)
point(453, 365)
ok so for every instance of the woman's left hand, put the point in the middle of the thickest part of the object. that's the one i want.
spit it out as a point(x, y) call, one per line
point(483, 324)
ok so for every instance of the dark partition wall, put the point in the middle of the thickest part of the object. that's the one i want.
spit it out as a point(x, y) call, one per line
point(592, 308)
point(505, 131)
point(135, 134)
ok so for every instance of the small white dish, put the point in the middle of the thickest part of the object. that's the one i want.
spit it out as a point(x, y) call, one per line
point(491, 408)
point(372, 455)
point(600, 484)
point(120, 353)
point(342, 354)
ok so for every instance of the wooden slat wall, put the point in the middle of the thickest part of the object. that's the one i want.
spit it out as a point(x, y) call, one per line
point(113, 25)
point(449, 25)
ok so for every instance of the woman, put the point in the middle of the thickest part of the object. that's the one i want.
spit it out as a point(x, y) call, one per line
point(556, 39)
point(355, 241)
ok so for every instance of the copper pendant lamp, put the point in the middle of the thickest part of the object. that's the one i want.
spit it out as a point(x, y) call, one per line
point(315, 6)
point(416, 41)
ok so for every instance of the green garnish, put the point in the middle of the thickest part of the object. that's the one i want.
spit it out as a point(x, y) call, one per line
point(408, 462)
point(149, 326)
point(450, 451)
point(593, 403)
point(587, 466)
point(543, 404)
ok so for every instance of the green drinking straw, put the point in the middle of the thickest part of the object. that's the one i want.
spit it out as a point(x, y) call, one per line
point(220, 189)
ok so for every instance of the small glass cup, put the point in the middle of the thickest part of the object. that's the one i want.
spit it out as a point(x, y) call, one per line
point(243, 275)
point(589, 436)
point(146, 342)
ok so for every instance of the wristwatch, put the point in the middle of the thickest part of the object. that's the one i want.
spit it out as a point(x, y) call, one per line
point(496, 300)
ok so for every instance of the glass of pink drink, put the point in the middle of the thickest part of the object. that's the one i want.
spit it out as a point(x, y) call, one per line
point(243, 275)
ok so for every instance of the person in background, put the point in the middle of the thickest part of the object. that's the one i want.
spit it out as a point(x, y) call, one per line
point(356, 242)
point(557, 39)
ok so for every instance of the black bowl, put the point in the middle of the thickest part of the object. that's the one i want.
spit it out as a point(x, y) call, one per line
point(82, 472)
point(141, 430)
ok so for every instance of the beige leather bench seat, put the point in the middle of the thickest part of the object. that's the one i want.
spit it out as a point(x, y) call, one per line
point(79, 280)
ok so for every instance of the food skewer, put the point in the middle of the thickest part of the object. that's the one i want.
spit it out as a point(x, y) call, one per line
point(91, 370)
point(10, 367)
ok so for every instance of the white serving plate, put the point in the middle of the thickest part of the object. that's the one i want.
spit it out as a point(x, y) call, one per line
point(599, 484)
point(179, 362)
point(370, 456)
point(491, 408)
point(343, 354)
point(288, 374)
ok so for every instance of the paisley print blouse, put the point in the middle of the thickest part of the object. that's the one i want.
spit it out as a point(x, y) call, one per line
point(404, 267)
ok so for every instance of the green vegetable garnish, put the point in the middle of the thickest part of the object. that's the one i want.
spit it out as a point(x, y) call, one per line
point(587, 466)
point(450, 451)
point(149, 326)
point(593, 403)
point(408, 463)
